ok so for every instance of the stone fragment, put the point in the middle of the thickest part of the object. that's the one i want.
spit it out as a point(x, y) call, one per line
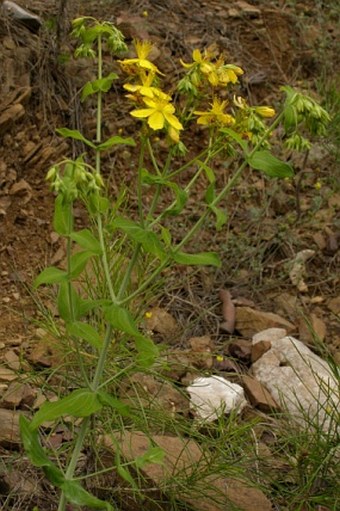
point(19, 483)
point(184, 458)
point(250, 321)
point(201, 344)
point(18, 394)
point(179, 362)
point(240, 349)
point(214, 396)
point(298, 269)
point(334, 305)
point(160, 321)
point(248, 9)
point(12, 360)
point(7, 375)
point(300, 382)
point(271, 334)
point(13, 114)
point(312, 329)
point(45, 353)
point(287, 305)
point(258, 395)
point(258, 349)
point(9, 429)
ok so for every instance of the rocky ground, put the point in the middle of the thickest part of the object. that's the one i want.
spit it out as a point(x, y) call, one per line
point(271, 227)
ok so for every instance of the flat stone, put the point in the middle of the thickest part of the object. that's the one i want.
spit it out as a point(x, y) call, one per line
point(201, 344)
point(334, 305)
point(312, 329)
point(299, 381)
point(9, 430)
point(7, 375)
point(250, 321)
point(183, 458)
point(12, 360)
point(18, 394)
point(258, 395)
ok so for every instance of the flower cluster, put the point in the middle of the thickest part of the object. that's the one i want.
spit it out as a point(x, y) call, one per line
point(157, 109)
point(208, 66)
point(75, 180)
point(208, 79)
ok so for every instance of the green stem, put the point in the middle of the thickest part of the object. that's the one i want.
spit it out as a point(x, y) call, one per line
point(107, 341)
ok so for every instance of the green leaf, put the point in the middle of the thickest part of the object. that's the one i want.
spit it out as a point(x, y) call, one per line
point(147, 351)
point(63, 217)
point(87, 240)
point(237, 137)
point(270, 165)
point(181, 197)
point(221, 217)
point(86, 332)
point(78, 262)
point(210, 194)
point(152, 455)
point(64, 303)
point(203, 258)
point(76, 135)
point(36, 453)
point(116, 140)
point(108, 400)
point(80, 403)
point(208, 171)
point(125, 474)
point(77, 495)
point(147, 239)
point(122, 320)
point(31, 443)
point(50, 275)
point(101, 84)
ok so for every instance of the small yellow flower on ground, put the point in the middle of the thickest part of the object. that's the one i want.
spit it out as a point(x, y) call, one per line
point(160, 113)
point(215, 115)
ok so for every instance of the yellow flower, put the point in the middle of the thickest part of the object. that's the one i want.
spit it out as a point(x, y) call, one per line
point(228, 73)
point(159, 113)
point(202, 62)
point(145, 88)
point(148, 315)
point(265, 111)
point(215, 115)
point(143, 49)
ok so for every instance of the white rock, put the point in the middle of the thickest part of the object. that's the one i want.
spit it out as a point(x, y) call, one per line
point(300, 381)
point(270, 334)
point(212, 397)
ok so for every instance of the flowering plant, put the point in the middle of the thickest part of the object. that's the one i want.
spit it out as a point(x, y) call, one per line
point(115, 244)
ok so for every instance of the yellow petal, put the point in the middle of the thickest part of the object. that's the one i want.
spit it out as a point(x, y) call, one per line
point(173, 134)
point(150, 102)
point(187, 66)
point(142, 112)
point(197, 56)
point(156, 121)
point(172, 120)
